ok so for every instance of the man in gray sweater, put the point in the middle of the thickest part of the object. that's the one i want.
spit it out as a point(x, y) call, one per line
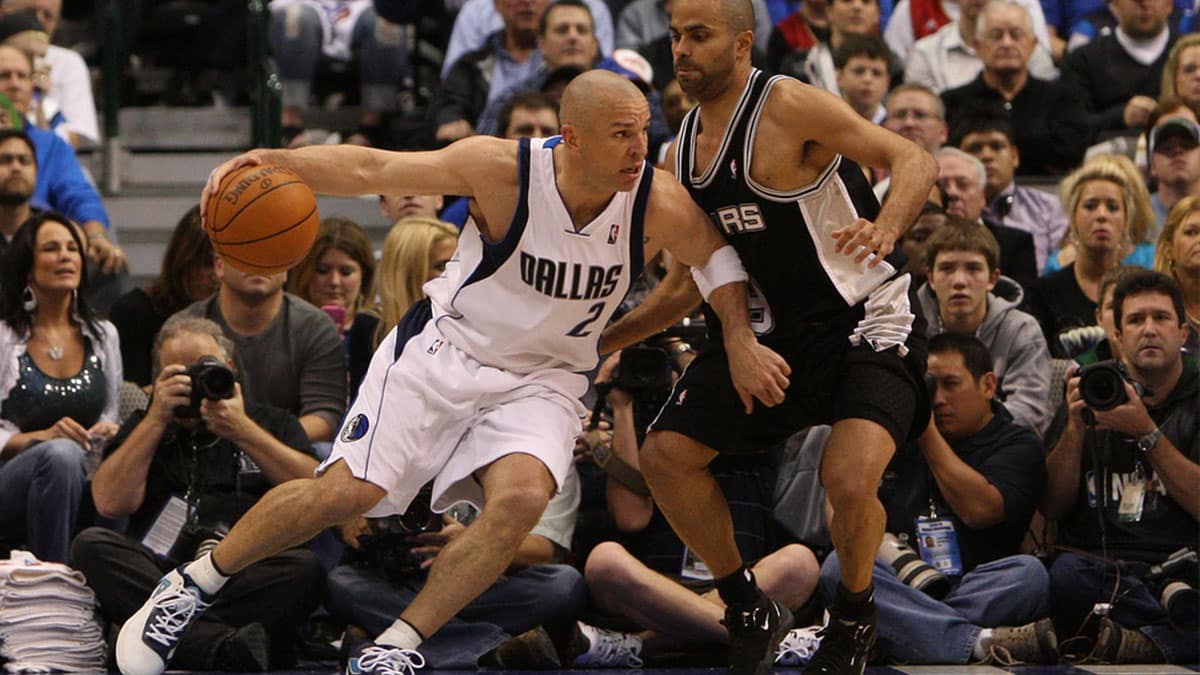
point(288, 351)
point(965, 293)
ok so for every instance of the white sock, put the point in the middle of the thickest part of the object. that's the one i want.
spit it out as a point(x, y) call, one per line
point(400, 634)
point(205, 574)
point(979, 651)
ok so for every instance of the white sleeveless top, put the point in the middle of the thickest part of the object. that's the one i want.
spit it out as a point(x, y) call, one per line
point(540, 297)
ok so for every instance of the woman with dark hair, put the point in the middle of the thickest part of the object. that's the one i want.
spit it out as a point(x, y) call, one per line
point(338, 270)
point(338, 275)
point(186, 276)
point(60, 369)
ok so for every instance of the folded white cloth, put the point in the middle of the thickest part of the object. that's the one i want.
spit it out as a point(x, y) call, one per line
point(47, 618)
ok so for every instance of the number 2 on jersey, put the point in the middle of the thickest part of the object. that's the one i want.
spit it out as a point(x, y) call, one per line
point(581, 328)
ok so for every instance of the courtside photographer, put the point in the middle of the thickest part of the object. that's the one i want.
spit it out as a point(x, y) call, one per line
point(183, 472)
point(951, 586)
point(1124, 483)
point(636, 574)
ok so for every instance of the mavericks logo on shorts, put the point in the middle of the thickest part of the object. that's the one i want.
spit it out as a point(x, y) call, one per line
point(355, 429)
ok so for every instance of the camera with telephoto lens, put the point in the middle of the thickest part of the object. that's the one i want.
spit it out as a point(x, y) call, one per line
point(387, 545)
point(1173, 581)
point(1102, 385)
point(911, 569)
point(195, 540)
point(211, 379)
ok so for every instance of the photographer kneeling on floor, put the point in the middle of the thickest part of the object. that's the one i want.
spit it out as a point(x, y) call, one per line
point(184, 471)
point(962, 496)
point(1128, 582)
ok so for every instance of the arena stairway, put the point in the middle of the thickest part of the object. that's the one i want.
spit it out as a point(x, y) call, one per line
point(168, 154)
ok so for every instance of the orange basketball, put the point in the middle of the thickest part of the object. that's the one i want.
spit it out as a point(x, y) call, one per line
point(262, 220)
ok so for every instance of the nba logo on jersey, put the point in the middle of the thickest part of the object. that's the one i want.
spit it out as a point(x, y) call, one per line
point(733, 169)
point(435, 346)
point(613, 232)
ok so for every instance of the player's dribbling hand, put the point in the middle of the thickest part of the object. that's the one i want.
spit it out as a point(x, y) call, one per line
point(759, 373)
point(218, 174)
point(867, 236)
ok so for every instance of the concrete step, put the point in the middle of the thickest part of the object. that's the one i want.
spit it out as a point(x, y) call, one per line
point(145, 219)
point(221, 128)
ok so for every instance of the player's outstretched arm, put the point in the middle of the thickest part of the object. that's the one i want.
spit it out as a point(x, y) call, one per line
point(676, 223)
point(828, 121)
point(462, 168)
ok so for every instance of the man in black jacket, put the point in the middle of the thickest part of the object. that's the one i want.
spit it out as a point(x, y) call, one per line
point(1049, 119)
point(1118, 75)
point(1125, 485)
point(183, 478)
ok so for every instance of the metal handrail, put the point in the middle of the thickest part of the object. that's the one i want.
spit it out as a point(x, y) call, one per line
point(266, 91)
point(113, 58)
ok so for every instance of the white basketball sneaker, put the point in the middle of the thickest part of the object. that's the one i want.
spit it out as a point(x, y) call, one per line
point(148, 639)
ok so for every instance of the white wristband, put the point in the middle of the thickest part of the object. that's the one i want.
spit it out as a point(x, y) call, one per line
point(723, 267)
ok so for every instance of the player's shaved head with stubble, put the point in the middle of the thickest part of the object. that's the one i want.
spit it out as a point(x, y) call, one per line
point(591, 98)
point(738, 14)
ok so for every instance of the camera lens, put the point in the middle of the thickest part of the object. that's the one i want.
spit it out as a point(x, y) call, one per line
point(1101, 386)
point(216, 382)
point(1182, 603)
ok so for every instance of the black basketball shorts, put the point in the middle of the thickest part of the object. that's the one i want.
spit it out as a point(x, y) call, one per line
point(831, 380)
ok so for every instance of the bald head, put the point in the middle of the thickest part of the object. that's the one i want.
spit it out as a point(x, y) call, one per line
point(739, 14)
point(593, 95)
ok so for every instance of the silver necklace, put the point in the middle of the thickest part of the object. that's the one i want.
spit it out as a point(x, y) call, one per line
point(55, 352)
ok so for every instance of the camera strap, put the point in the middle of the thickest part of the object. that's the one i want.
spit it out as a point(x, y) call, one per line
point(191, 496)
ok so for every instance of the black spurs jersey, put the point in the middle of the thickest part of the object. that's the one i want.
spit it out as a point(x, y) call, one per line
point(783, 238)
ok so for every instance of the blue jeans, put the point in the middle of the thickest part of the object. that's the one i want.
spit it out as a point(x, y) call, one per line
point(40, 490)
point(381, 47)
point(915, 628)
point(537, 595)
point(1078, 583)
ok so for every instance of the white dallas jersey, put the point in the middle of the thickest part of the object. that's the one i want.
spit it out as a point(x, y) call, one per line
point(540, 297)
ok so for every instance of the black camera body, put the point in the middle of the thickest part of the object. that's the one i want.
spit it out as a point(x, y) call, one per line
point(643, 370)
point(1102, 385)
point(211, 379)
point(387, 544)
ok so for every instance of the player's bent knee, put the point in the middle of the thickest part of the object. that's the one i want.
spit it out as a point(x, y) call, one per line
point(521, 503)
point(844, 484)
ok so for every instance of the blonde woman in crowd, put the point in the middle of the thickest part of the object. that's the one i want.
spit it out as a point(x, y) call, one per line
point(1109, 211)
point(1178, 256)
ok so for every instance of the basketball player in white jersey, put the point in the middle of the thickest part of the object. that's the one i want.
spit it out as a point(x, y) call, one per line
point(478, 389)
point(770, 159)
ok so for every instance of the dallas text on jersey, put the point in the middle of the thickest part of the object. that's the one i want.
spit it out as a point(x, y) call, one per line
point(569, 281)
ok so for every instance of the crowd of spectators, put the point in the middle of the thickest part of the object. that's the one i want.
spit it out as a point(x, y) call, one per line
point(1061, 243)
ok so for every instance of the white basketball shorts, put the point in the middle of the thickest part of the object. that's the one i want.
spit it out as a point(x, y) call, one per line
point(436, 413)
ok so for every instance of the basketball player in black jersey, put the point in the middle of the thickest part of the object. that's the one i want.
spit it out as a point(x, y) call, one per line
point(770, 160)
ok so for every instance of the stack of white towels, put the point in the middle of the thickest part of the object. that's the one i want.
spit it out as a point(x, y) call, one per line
point(47, 618)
